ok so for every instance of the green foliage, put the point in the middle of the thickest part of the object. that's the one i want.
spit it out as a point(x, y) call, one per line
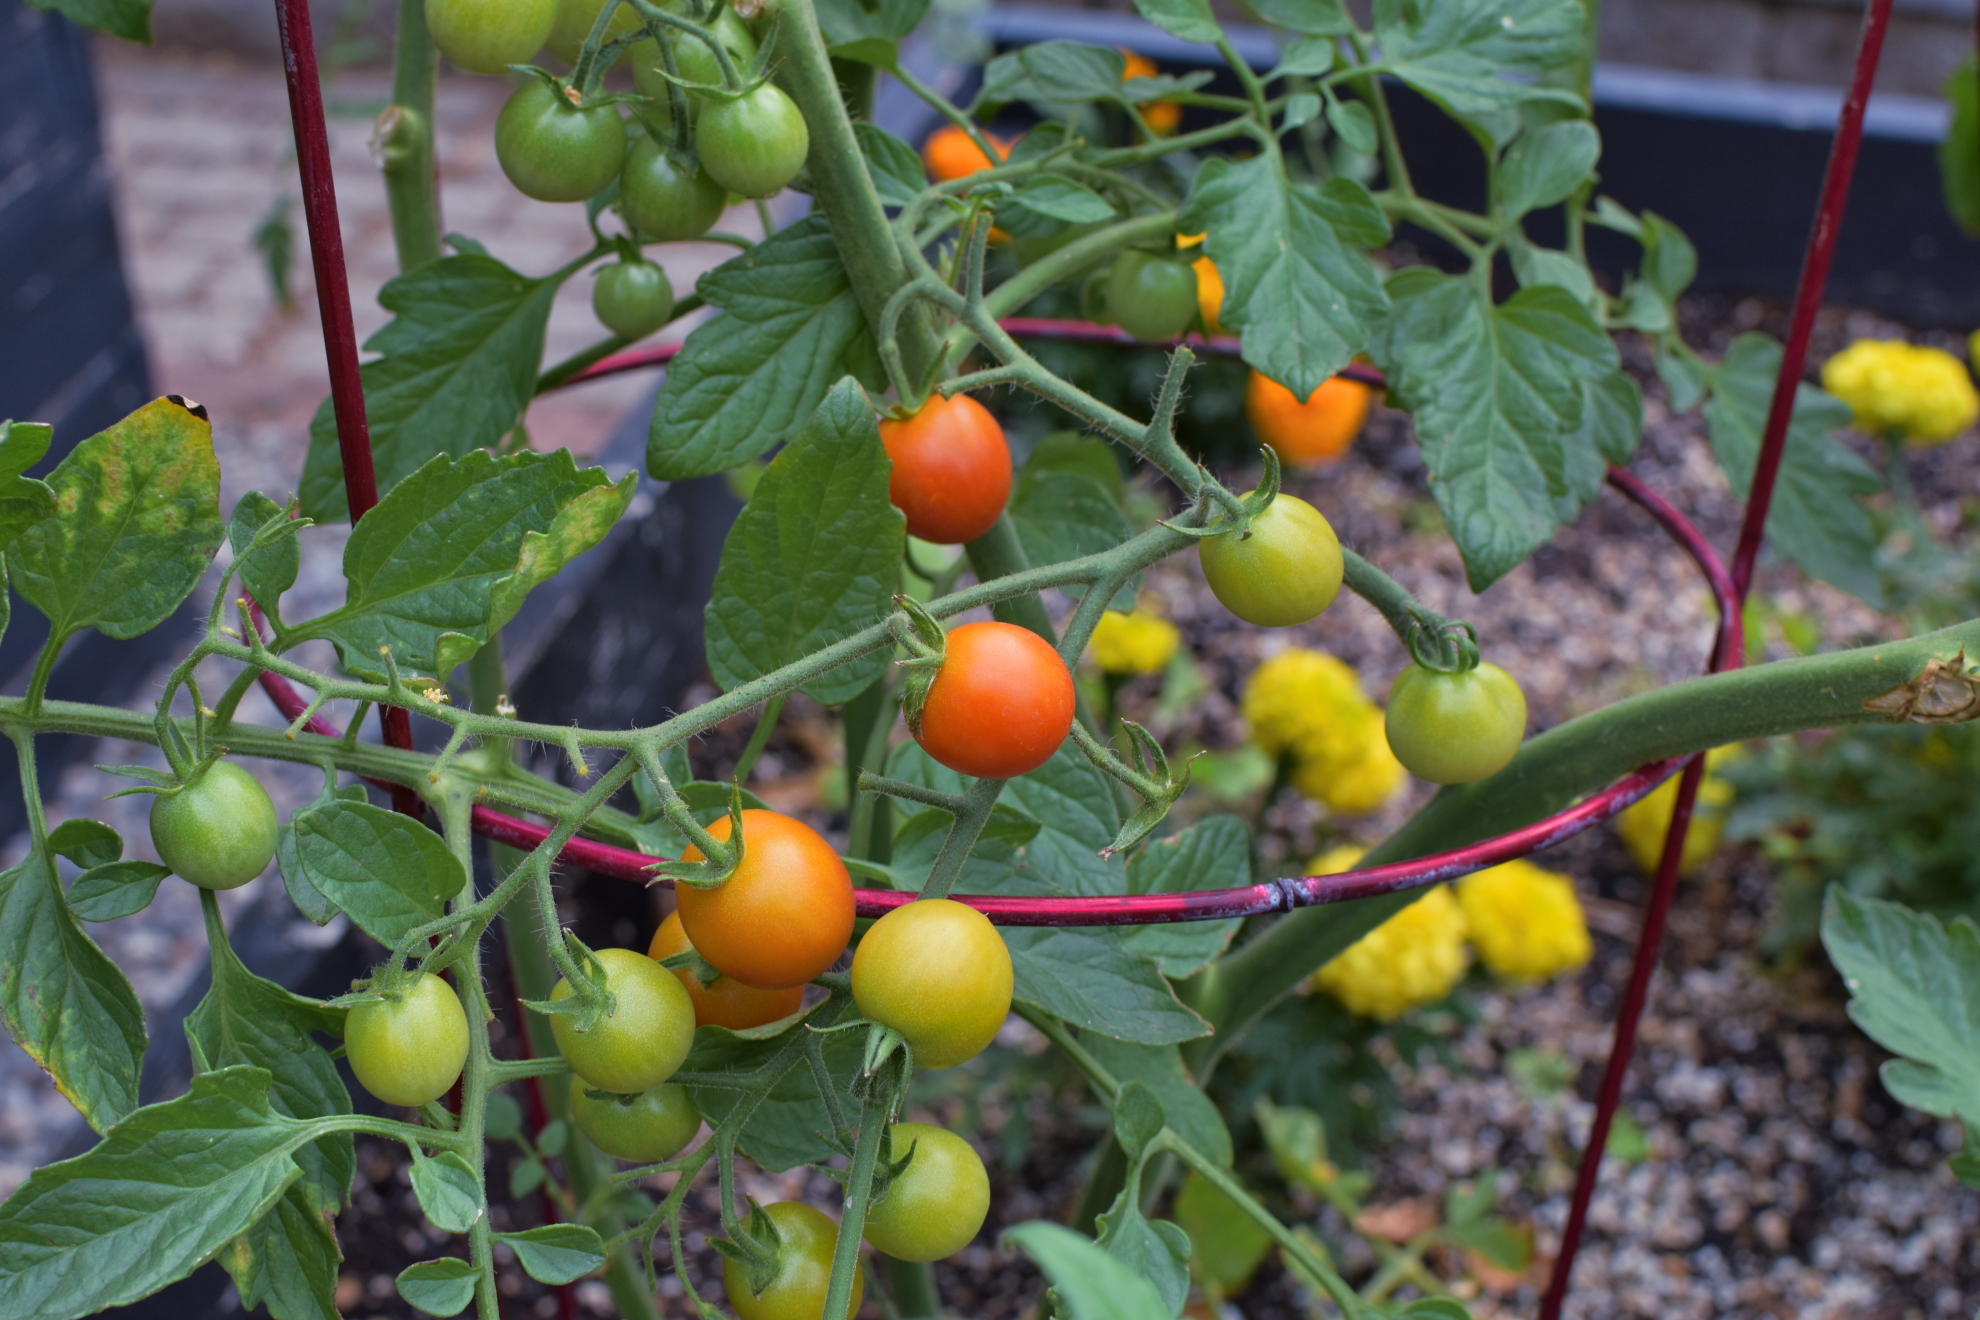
point(1089, 1282)
point(129, 19)
point(1959, 150)
point(457, 366)
point(388, 872)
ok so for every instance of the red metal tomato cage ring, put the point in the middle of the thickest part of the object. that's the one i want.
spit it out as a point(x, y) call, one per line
point(1729, 590)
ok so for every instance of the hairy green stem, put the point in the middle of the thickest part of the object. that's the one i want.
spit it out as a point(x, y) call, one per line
point(911, 1284)
point(977, 804)
point(1550, 773)
point(405, 143)
point(873, 1120)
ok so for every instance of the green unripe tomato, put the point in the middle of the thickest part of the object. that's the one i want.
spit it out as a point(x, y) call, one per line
point(218, 831)
point(806, 1240)
point(661, 202)
point(646, 1128)
point(487, 36)
point(643, 1040)
point(935, 1206)
point(938, 972)
point(693, 60)
point(552, 150)
point(409, 1052)
point(573, 23)
point(1151, 296)
point(1282, 570)
point(632, 298)
point(1454, 728)
point(753, 144)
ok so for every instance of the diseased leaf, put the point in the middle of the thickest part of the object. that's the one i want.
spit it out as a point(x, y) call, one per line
point(458, 366)
point(288, 1260)
point(1091, 1284)
point(1914, 989)
point(1817, 518)
point(388, 871)
point(1214, 853)
point(814, 556)
point(1480, 57)
point(556, 1253)
point(448, 556)
point(1300, 296)
point(139, 521)
point(1497, 391)
point(745, 380)
point(438, 1287)
point(65, 1003)
point(163, 1191)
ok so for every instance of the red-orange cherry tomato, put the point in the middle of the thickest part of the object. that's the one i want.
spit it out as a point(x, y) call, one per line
point(725, 1001)
point(952, 469)
point(1000, 705)
point(783, 917)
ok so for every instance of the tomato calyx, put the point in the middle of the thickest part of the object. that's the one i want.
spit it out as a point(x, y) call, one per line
point(722, 857)
point(1146, 771)
point(755, 1245)
point(922, 637)
point(591, 997)
point(1232, 513)
point(1442, 645)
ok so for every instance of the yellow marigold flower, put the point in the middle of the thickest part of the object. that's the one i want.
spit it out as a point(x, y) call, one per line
point(1134, 643)
point(1923, 394)
point(1526, 923)
point(1412, 959)
point(1309, 705)
point(1642, 824)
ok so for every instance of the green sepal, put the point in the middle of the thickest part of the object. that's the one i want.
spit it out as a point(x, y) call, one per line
point(1447, 646)
point(882, 1042)
point(920, 633)
point(721, 864)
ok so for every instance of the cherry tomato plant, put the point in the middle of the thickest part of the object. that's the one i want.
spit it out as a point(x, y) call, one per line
point(852, 348)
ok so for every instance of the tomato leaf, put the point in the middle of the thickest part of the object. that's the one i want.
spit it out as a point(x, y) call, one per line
point(1089, 978)
point(129, 19)
point(458, 365)
point(557, 1253)
point(1090, 1284)
point(1155, 1251)
point(1061, 198)
point(1298, 293)
point(1063, 72)
point(891, 163)
point(1914, 989)
point(449, 1193)
point(847, 21)
point(1817, 518)
point(388, 871)
point(787, 1129)
point(140, 507)
point(1068, 515)
point(1214, 853)
point(447, 557)
point(1314, 18)
point(1959, 150)
point(1498, 395)
point(745, 380)
point(86, 842)
point(1545, 164)
point(438, 1287)
point(814, 556)
point(23, 500)
point(163, 1191)
point(271, 570)
point(288, 1260)
point(1191, 1114)
point(1481, 57)
point(1188, 20)
point(115, 889)
point(64, 1002)
point(1227, 1245)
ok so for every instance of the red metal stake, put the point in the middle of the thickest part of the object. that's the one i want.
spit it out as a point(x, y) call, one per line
point(333, 298)
point(1726, 654)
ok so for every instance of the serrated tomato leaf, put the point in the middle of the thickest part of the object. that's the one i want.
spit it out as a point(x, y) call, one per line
point(166, 1188)
point(268, 572)
point(438, 1287)
point(1091, 1284)
point(1817, 518)
point(556, 1253)
point(814, 556)
point(63, 1001)
point(287, 1261)
point(1497, 392)
point(388, 871)
point(1191, 1114)
point(1214, 853)
point(1482, 56)
point(745, 380)
point(458, 365)
point(115, 889)
point(447, 557)
point(139, 521)
point(1296, 290)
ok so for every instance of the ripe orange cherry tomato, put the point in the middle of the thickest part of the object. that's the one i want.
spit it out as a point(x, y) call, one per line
point(1000, 705)
point(1311, 433)
point(724, 1002)
point(949, 153)
point(1160, 116)
point(1210, 294)
point(938, 972)
point(783, 917)
point(952, 469)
